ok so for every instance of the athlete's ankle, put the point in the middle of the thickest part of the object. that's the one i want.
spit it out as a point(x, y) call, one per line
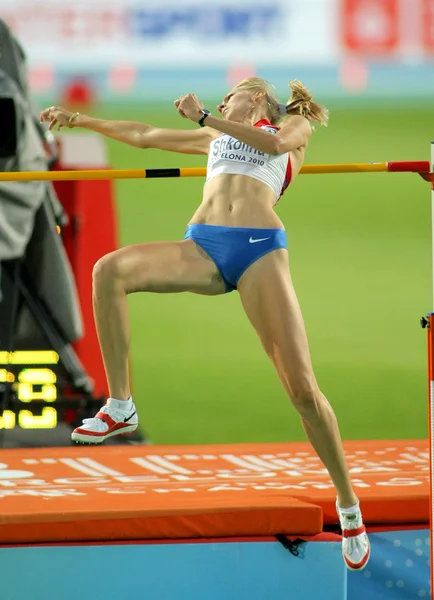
point(349, 505)
point(120, 404)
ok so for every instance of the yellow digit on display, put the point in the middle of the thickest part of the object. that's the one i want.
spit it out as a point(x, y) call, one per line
point(48, 419)
point(46, 378)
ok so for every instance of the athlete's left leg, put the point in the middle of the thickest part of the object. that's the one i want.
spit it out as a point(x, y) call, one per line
point(271, 304)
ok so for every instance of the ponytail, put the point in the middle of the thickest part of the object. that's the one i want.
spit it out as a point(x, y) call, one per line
point(301, 103)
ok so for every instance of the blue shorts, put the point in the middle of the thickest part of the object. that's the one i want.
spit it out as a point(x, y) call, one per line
point(234, 249)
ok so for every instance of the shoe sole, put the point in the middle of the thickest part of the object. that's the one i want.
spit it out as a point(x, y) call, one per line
point(99, 439)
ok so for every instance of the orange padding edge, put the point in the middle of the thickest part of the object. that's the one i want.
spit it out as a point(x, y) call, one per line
point(173, 492)
point(111, 521)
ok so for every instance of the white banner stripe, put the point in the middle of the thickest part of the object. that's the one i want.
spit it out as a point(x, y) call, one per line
point(142, 462)
point(162, 462)
point(74, 464)
point(288, 464)
point(415, 459)
point(236, 460)
point(270, 466)
point(217, 32)
point(99, 467)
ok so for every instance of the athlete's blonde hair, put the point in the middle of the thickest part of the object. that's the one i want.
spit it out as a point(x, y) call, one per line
point(300, 102)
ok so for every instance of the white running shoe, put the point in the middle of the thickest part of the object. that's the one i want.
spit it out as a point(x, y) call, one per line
point(356, 548)
point(109, 421)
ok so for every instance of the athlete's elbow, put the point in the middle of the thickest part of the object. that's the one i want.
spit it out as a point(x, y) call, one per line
point(277, 147)
point(142, 142)
point(144, 137)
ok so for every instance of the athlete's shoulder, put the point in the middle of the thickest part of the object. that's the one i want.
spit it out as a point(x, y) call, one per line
point(296, 121)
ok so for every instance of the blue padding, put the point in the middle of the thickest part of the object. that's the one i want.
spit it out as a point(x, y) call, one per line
point(208, 571)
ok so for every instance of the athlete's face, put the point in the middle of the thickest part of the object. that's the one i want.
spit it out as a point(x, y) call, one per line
point(237, 105)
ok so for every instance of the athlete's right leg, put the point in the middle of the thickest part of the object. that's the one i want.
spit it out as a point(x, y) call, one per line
point(271, 304)
point(161, 267)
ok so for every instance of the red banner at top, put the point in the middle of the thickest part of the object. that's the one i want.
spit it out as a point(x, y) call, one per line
point(370, 26)
point(428, 25)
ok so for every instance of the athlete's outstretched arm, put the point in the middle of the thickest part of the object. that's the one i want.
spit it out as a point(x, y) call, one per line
point(140, 135)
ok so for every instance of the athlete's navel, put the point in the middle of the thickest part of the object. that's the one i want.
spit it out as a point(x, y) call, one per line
point(231, 207)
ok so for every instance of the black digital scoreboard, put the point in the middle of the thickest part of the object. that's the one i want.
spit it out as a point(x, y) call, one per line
point(29, 380)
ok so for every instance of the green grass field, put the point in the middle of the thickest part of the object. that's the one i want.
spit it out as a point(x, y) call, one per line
point(361, 262)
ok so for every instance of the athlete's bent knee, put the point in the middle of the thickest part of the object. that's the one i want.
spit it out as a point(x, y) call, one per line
point(307, 400)
point(106, 269)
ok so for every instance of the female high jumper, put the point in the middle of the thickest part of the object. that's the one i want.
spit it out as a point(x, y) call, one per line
point(234, 241)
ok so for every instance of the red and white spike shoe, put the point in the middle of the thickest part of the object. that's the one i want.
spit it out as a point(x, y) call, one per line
point(356, 548)
point(109, 421)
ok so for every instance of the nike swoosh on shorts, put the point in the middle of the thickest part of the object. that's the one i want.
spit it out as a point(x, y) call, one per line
point(252, 241)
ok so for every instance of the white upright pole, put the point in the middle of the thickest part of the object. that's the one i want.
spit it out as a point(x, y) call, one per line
point(431, 390)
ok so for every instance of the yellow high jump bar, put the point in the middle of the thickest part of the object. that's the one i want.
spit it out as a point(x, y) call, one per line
point(421, 166)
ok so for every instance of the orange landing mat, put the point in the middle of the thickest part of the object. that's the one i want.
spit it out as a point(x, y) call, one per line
point(156, 492)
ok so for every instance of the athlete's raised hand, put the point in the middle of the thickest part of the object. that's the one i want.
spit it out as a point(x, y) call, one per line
point(189, 107)
point(177, 103)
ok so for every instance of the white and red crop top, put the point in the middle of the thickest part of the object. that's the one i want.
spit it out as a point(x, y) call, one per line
point(229, 155)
